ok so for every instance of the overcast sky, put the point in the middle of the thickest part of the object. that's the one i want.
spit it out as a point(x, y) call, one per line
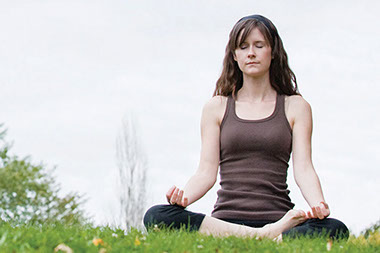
point(71, 70)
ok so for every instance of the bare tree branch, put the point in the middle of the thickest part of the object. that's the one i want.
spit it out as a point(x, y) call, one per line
point(132, 168)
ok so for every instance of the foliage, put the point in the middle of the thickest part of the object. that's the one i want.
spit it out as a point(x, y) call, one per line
point(46, 238)
point(29, 194)
point(372, 229)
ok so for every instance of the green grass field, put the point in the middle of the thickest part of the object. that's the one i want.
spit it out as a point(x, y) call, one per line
point(51, 238)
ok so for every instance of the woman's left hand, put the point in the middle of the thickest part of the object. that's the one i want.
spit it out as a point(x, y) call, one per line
point(321, 211)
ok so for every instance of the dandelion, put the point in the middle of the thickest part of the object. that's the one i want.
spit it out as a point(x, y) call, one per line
point(137, 241)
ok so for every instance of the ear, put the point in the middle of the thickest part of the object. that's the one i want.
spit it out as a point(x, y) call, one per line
point(234, 56)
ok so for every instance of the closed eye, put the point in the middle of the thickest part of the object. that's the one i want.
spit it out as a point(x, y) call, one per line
point(259, 45)
point(243, 46)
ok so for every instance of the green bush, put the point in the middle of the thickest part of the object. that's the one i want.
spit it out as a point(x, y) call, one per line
point(29, 194)
point(372, 229)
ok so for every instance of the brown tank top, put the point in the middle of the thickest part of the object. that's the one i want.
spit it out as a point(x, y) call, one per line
point(254, 156)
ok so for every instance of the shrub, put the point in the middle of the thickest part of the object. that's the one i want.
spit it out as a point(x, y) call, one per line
point(29, 194)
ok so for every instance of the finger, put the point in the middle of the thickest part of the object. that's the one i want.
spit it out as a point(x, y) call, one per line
point(174, 196)
point(319, 212)
point(173, 200)
point(326, 212)
point(325, 209)
point(323, 212)
point(180, 195)
point(315, 215)
point(302, 215)
point(325, 205)
point(185, 202)
point(310, 215)
point(170, 193)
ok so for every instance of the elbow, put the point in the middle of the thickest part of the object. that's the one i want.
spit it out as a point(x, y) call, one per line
point(299, 175)
point(211, 182)
point(296, 180)
point(207, 175)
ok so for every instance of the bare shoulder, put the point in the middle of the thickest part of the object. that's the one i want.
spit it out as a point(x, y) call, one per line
point(216, 102)
point(296, 105)
point(215, 108)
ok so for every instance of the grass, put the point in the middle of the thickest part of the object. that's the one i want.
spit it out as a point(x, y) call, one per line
point(46, 238)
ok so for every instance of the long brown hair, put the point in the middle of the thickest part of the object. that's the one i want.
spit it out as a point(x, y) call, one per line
point(282, 78)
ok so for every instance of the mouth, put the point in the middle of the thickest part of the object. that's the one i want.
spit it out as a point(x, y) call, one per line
point(252, 62)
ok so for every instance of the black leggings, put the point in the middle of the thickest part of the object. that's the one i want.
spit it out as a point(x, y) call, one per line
point(174, 216)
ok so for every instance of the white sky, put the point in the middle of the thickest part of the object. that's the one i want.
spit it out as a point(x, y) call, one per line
point(71, 70)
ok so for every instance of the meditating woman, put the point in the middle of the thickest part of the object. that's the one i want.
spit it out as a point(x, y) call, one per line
point(254, 121)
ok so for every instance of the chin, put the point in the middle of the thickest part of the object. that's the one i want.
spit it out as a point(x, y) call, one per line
point(255, 74)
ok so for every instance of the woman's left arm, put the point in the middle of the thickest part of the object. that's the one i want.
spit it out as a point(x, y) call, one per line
point(304, 173)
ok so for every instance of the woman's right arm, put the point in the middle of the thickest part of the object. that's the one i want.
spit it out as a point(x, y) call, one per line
point(205, 176)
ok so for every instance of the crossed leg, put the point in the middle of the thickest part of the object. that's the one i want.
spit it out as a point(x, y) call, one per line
point(175, 217)
point(217, 227)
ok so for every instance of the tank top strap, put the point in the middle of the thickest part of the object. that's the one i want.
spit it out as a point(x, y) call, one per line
point(228, 111)
point(281, 110)
point(281, 103)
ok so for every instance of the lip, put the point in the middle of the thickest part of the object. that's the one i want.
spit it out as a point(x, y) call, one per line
point(252, 62)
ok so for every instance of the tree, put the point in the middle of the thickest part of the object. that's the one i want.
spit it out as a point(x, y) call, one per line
point(29, 194)
point(132, 168)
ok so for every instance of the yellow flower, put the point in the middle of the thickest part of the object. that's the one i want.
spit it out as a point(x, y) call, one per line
point(97, 241)
point(137, 241)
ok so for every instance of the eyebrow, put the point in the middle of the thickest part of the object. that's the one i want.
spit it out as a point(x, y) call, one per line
point(256, 41)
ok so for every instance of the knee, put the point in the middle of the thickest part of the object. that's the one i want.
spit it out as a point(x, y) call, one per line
point(339, 229)
point(154, 215)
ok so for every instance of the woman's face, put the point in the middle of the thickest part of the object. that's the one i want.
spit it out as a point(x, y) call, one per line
point(254, 55)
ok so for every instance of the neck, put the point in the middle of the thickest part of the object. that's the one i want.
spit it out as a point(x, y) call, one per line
point(256, 89)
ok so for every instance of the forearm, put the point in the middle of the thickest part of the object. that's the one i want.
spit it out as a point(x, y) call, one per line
point(197, 186)
point(310, 186)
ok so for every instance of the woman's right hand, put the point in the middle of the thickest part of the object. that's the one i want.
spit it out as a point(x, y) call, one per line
point(175, 197)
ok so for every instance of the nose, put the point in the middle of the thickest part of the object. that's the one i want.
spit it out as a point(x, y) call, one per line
point(251, 52)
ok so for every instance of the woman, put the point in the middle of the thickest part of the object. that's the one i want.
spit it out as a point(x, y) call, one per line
point(249, 128)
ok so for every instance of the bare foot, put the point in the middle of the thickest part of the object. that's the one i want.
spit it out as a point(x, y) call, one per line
point(291, 219)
